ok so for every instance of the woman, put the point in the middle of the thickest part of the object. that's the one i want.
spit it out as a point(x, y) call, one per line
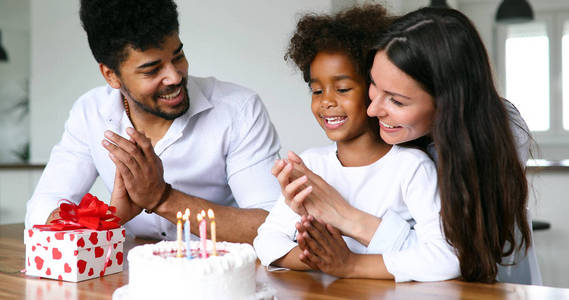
point(432, 88)
point(329, 50)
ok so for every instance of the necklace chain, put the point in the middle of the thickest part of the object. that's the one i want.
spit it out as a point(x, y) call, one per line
point(126, 107)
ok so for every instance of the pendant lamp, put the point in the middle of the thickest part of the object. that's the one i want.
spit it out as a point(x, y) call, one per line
point(514, 11)
point(439, 3)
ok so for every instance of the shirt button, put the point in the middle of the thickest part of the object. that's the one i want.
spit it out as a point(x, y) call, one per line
point(163, 233)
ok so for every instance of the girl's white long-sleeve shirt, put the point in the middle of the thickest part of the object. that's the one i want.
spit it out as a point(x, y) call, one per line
point(402, 184)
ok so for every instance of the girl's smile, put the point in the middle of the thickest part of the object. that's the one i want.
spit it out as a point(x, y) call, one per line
point(333, 122)
point(338, 97)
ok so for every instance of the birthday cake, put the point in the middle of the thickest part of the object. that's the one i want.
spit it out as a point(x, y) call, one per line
point(156, 272)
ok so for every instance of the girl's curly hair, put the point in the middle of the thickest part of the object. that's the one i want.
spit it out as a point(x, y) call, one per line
point(352, 31)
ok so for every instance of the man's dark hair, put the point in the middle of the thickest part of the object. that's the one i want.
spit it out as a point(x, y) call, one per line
point(114, 25)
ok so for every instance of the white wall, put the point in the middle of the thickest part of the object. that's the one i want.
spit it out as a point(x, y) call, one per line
point(245, 44)
point(16, 187)
point(14, 75)
point(239, 43)
point(548, 202)
point(62, 69)
point(15, 27)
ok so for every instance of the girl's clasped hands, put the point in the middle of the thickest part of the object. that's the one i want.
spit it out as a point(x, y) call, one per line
point(324, 216)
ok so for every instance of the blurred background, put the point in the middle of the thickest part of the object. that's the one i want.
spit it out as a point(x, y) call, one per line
point(46, 64)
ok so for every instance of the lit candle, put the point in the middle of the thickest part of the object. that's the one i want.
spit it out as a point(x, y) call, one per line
point(203, 234)
point(212, 229)
point(187, 233)
point(179, 216)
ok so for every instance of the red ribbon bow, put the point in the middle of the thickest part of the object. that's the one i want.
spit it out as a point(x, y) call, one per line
point(90, 213)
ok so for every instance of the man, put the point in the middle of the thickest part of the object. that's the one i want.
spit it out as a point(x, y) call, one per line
point(161, 140)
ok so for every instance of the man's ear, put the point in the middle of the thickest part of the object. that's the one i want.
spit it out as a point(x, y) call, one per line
point(110, 76)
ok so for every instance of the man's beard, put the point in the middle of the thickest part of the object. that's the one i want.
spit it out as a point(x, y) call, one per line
point(157, 111)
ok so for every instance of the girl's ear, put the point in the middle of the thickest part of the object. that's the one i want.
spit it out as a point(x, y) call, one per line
point(110, 76)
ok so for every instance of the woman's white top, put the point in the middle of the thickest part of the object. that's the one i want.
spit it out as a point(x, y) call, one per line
point(526, 270)
point(403, 183)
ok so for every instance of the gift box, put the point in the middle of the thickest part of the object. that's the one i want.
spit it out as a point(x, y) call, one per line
point(74, 255)
point(85, 242)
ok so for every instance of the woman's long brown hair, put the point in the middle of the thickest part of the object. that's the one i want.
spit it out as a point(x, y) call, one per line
point(482, 182)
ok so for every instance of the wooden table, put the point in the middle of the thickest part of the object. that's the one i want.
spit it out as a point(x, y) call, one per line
point(288, 284)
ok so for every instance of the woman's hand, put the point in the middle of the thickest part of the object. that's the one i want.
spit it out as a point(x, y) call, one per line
point(319, 198)
point(324, 249)
point(306, 193)
point(293, 185)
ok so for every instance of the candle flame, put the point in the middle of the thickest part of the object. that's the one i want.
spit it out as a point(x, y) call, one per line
point(210, 213)
point(202, 213)
point(199, 216)
point(179, 215)
point(187, 212)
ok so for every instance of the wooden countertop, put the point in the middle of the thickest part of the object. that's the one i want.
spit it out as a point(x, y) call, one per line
point(533, 165)
point(287, 284)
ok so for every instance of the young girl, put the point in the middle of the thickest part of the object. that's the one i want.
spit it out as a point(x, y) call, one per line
point(431, 80)
point(376, 179)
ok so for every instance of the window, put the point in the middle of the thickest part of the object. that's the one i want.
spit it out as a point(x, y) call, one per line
point(532, 66)
point(565, 72)
point(527, 73)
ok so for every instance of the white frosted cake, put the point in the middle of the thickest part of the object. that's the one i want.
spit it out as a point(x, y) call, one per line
point(156, 273)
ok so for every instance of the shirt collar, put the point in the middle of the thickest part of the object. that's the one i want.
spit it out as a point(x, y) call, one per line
point(112, 108)
point(198, 103)
point(198, 100)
